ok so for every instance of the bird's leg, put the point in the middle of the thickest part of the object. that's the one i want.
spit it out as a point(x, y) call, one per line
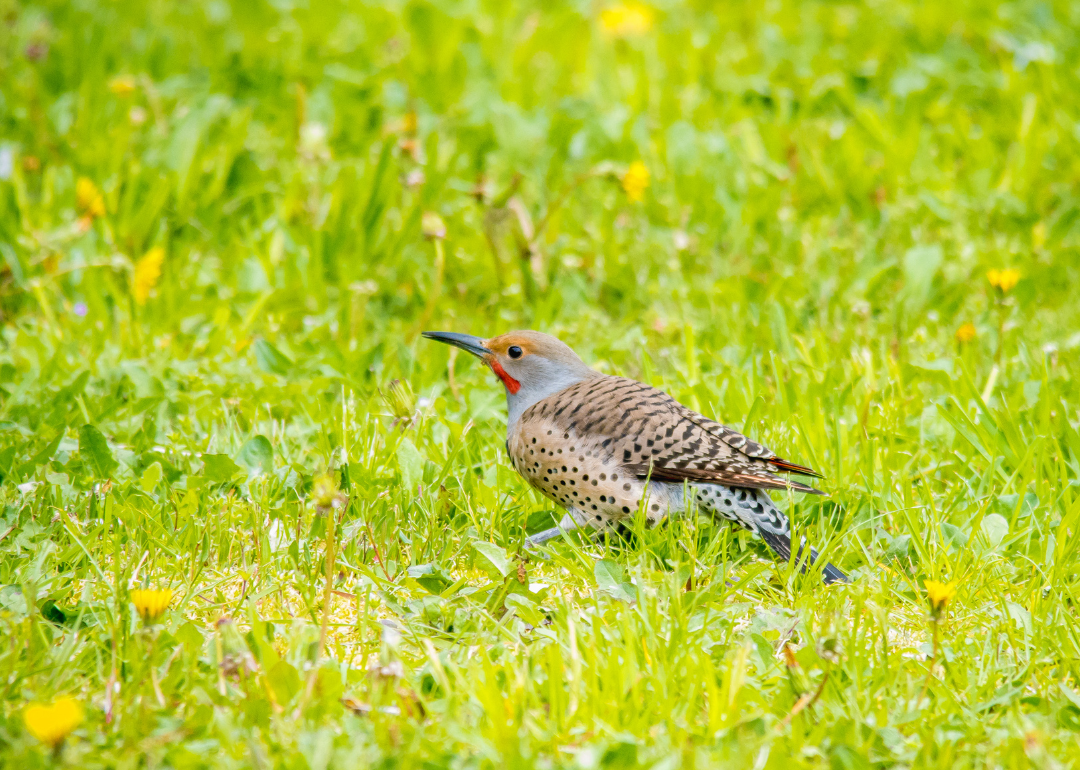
point(568, 523)
point(542, 537)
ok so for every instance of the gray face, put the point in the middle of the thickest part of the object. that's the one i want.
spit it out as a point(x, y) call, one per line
point(531, 365)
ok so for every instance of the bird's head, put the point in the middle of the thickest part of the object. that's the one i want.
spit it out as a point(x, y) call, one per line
point(531, 365)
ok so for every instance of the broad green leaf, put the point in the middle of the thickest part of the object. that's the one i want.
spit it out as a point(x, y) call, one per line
point(58, 479)
point(188, 505)
point(284, 681)
point(611, 579)
point(7, 457)
point(150, 477)
point(190, 636)
point(492, 559)
point(432, 578)
point(411, 464)
point(525, 607)
point(43, 456)
point(217, 467)
point(921, 264)
point(995, 527)
point(1020, 616)
point(954, 534)
point(270, 359)
point(13, 600)
point(95, 452)
point(257, 455)
point(609, 574)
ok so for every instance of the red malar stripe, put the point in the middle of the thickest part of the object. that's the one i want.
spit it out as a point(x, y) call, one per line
point(511, 384)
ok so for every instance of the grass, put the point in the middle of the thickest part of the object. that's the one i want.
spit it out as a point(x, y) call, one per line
point(218, 329)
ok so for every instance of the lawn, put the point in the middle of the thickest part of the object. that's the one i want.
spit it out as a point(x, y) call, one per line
point(850, 230)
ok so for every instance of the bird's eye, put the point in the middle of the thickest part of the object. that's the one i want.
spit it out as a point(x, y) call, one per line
point(514, 351)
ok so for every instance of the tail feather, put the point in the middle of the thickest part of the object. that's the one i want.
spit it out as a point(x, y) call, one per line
point(781, 546)
point(755, 510)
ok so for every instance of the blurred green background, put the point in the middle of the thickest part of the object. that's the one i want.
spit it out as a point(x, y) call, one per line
point(850, 229)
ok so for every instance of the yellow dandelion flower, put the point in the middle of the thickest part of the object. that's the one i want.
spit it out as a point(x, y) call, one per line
point(50, 723)
point(1003, 280)
point(636, 181)
point(151, 603)
point(88, 199)
point(626, 20)
point(122, 85)
point(939, 594)
point(147, 273)
point(966, 333)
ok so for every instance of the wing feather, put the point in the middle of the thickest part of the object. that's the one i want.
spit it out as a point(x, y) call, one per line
point(652, 435)
point(729, 477)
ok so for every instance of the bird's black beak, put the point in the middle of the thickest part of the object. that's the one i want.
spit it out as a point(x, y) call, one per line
point(474, 345)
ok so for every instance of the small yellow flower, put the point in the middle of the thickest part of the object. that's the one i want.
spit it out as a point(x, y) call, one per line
point(1003, 280)
point(122, 85)
point(939, 594)
point(88, 199)
point(147, 273)
point(966, 333)
point(635, 181)
point(151, 603)
point(51, 723)
point(626, 20)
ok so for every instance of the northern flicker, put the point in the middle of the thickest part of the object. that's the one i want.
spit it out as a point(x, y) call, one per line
point(604, 447)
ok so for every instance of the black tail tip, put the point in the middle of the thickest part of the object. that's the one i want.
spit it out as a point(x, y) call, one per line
point(832, 575)
point(781, 546)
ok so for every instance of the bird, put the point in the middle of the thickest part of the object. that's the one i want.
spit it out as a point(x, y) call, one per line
point(604, 447)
